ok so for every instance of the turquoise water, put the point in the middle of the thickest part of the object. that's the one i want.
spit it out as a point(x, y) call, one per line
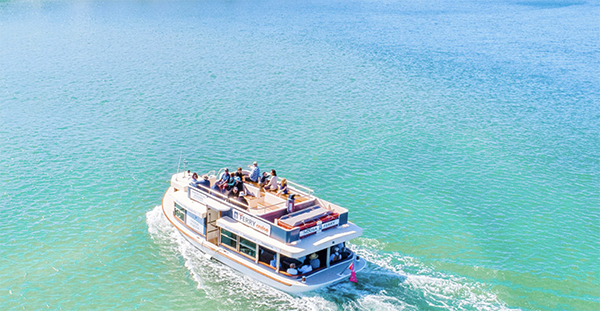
point(463, 136)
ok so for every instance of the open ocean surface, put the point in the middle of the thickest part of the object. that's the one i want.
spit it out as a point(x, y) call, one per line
point(463, 136)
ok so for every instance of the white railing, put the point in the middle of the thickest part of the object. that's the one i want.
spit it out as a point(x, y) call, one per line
point(305, 190)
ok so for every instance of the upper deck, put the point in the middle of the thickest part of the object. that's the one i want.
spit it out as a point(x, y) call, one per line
point(267, 212)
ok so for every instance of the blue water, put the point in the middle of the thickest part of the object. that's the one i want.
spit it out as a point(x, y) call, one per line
point(463, 136)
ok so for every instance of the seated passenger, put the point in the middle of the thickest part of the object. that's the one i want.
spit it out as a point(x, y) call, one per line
point(228, 185)
point(283, 188)
point(204, 182)
point(292, 269)
point(314, 261)
point(344, 251)
point(194, 180)
point(335, 256)
point(223, 180)
point(273, 262)
point(272, 184)
point(305, 269)
point(236, 182)
point(255, 173)
point(262, 181)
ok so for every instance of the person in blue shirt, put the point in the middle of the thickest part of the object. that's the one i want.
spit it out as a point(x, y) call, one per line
point(262, 181)
point(335, 256)
point(283, 188)
point(204, 182)
point(222, 181)
point(255, 173)
point(194, 180)
point(314, 261)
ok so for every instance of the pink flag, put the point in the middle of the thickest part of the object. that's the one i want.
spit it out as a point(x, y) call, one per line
point(352, 274)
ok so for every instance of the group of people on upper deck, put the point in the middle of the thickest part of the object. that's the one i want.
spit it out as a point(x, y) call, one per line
point(232, 184)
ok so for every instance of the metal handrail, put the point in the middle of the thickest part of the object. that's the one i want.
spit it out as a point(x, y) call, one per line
point(309, 192)
point(269, 206)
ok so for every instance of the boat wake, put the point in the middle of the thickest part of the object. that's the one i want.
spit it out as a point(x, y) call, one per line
point(384, 284)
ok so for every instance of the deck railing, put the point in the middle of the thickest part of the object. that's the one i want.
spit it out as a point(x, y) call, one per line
point(277, 232)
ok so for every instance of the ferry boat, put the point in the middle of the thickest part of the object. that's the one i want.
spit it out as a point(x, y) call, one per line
point(268, 234)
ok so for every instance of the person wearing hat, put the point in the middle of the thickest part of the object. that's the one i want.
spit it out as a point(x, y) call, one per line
point(335, 256)
point(255, 173)
point(236, 182)
point(314, 261)
point(204, 182)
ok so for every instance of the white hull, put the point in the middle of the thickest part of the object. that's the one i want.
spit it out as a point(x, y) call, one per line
point(256, 270)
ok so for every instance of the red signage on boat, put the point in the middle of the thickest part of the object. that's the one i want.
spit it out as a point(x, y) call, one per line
point(322, 224)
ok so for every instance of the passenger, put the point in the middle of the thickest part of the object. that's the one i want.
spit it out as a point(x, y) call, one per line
point(272, 184)
point(262, 181)
point(305, 269)
point(227, 186)
point(292, 269)
point(194, 180)
point(273, 262)
point(283, 188)
point(236, 182)
point(255, 173)
point(335, 256)
point(204, 182)
point(222, 181)
point(239, 172)
point(314, 261)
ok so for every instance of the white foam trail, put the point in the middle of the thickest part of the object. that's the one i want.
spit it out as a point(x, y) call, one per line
point(222, 284)
point(382, 285)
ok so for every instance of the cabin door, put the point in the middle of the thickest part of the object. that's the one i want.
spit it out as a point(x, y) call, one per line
point(212, 231)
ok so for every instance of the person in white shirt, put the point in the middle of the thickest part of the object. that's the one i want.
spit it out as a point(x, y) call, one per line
point(272, 184)
point(305, 269)
point(335, 256)
point(292, 269)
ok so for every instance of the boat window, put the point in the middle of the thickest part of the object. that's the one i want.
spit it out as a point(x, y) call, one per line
point(247, 247)
point(286, 261)
point(267, 256)
point(228, 238)
point(179, 212)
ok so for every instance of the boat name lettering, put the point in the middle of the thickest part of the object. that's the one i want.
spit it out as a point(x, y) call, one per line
point(252, 222)
point(319, 227)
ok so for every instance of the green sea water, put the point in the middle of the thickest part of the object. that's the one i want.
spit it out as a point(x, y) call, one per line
point(464, 138)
